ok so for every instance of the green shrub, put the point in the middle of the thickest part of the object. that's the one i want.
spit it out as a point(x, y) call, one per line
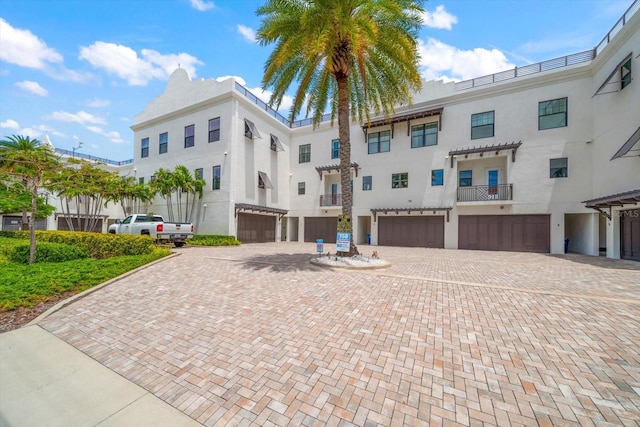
point(213, 240)
point(48, 252)
point(99, 245)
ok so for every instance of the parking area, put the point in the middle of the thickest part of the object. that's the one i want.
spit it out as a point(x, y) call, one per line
point(256, 335)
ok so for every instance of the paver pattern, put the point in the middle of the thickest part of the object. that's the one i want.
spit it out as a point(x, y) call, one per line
point(256, 336)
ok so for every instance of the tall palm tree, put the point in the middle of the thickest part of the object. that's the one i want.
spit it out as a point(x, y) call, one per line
point(356, 56)
point(20, 144)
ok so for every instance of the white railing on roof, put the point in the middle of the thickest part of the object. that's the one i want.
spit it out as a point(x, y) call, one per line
point(94, 158)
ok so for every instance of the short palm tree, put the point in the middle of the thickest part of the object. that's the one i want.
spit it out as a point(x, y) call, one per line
point(356, 57)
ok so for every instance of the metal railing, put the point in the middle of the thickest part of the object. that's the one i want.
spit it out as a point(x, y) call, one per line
point(551, 64)
point(331, 200)
point(94, 158)
point(485, 193)
point(635, 6)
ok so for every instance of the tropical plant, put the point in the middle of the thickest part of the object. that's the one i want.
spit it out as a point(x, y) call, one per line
point(82, 187)
point(130, 194)
point(185, 186)
point(356, 57)
point(27, 161)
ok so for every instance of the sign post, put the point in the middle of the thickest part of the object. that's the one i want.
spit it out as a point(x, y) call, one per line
point(320, 246)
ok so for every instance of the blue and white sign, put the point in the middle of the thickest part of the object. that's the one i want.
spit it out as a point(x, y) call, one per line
point(343, 241)
point(319, 246)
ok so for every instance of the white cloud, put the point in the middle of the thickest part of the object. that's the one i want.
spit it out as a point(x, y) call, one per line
point(441, 61)
point(125, 63)
point(98, 103)
point(32, 87)
point(81, 117)
point(114, 136)
point(440, 18)
point(10, 124)
point(237, 78)
point(202, 5)
point(248, 33)
point(23, 48)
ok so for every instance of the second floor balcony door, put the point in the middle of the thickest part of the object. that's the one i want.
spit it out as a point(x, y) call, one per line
point(492, 183)
point(334, 194)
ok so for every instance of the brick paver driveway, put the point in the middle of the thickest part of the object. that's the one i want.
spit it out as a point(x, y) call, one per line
point(255, 335)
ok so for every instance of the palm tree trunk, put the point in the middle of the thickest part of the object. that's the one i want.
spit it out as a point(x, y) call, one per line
point(345, 158)
point(32, 224)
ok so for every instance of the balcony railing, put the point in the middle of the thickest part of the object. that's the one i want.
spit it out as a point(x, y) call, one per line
point(331, 200)
point(485, 193)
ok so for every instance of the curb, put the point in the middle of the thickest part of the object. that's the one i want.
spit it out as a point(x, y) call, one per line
point(62, 304)
point(351, 267)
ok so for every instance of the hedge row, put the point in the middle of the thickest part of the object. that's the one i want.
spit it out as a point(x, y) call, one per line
point(97, 245)
point(212, 240)
point(48, 252)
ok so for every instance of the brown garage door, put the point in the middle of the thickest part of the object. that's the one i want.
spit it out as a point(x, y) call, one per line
point(521, 233)
point(630, 234)
point(411, 231)
point(254, 228)
point(321, 227)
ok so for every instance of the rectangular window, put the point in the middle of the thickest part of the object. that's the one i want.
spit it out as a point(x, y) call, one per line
point(559, 168)
point(275, 144)
point(250, 130)
point(153, 178)
point(552, 114)
point(301, 188)
point(141, 180)
point(482, 125)
point(464, 179)
point(379, 142)
point(625, 74)
point(144, 147)
point(264, 181)
point(335, 149)
point(214, 129)
point(399, 180)
point(367, 183)
point(189, 136)
point(200, 173)
point(163, 142)
point(424, 135)
point(304, 155)
point(437, 177)
point(216, 178)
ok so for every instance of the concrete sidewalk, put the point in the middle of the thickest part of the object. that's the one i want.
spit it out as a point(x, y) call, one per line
point(46, 382)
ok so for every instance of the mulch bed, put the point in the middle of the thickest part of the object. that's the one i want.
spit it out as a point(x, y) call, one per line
point(14, 319)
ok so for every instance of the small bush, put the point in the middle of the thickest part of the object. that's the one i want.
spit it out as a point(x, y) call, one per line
point(213, 240)
point(48, 252)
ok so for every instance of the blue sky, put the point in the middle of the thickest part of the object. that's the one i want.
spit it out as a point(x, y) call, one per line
point(80, 70)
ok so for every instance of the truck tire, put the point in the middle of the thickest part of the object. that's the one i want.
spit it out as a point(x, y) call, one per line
point(112, 232)
point(178, 244)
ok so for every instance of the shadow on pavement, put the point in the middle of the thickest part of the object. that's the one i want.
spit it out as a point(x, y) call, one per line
point(281, 262)
point(601, 262)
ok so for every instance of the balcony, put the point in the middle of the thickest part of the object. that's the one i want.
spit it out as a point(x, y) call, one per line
point(328, 200)
point(485, 193)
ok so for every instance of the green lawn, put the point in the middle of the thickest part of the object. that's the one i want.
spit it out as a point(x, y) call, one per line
point(27, 285)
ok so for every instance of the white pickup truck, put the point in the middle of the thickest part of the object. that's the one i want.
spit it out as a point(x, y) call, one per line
point(154, 226)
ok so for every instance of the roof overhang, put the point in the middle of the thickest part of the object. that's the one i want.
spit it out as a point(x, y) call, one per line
point(397, 211)
point(331, 168)
point(629, 146)
point(405, 118)
point(513, 146)
point(245, 207)
point(620, 199)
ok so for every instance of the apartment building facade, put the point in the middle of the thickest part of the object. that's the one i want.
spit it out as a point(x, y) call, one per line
point(542, 158)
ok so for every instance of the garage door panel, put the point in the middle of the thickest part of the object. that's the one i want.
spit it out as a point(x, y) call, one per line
point(523, 233)
point(324, 228)
point(411, 231)
point(630, 234)
point(253, 228)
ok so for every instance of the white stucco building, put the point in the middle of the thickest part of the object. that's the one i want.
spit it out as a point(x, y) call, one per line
point(519, 160)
